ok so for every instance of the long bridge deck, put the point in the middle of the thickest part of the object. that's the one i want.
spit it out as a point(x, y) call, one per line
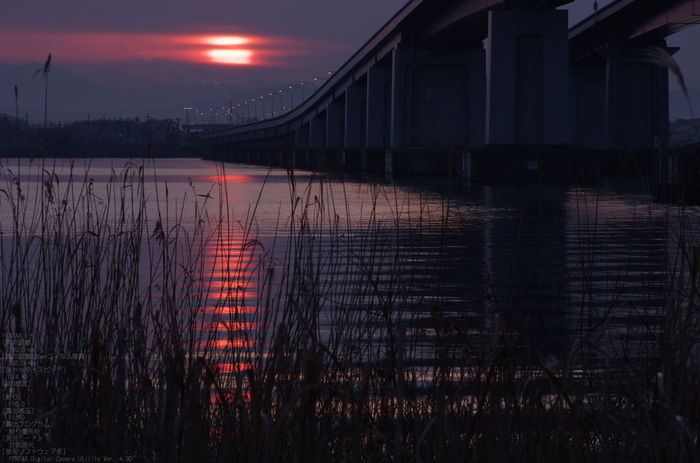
point(423, 89)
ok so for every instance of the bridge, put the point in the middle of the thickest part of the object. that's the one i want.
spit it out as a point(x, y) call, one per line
point(423, 94)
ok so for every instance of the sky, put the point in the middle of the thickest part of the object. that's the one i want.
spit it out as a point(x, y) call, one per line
point(159, 56)
point(215, 39)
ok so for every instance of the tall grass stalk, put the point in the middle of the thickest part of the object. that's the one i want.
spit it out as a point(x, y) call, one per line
point(45, 73)
point(333, 340)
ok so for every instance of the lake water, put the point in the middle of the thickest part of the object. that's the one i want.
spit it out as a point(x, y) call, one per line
point(544, 261)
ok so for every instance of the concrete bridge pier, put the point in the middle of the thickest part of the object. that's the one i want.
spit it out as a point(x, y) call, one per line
point(317, 131)
point(355, 125)
point(438, 98)
point(302, 142)
point(335, 123)
point(527, 77)
point(636, 101)
point(379, 105)
point(587, 92)
point(356, 115)
point(335, 132)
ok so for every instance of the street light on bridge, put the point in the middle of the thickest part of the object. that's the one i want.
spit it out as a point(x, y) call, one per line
point(217, 117)
point(303, 95)
point(247, 108)
point(291, 105)
point(256, 108)
point(233, 110)
point(310, 83)
point(281, 102)
point(323, 78)
point(201, 113)
point(213, 118)
point(263, 102)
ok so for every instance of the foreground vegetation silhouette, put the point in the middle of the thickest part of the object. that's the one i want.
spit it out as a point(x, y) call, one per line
point(203, 343)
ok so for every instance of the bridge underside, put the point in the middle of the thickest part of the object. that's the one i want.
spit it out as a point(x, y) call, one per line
point(417, 98)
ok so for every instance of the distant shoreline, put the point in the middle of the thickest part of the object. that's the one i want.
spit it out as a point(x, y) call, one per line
point(175, 150)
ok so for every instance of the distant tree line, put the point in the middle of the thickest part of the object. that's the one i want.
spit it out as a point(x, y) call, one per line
point(95, 137)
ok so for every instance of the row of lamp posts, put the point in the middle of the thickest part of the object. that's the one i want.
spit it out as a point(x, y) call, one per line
point(237, 110)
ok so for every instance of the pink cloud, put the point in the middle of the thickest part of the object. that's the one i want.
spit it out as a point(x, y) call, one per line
point(120, 47)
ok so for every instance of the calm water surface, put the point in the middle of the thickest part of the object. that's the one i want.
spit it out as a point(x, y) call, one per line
point(547, 259)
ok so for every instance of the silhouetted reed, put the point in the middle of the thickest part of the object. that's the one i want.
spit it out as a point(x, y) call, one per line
point(334, 341)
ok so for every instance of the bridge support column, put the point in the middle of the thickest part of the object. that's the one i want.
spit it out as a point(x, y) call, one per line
point(388, 163)
point(301, 136)
point(302, 140)
point(636, 100)
point(439, 98)
point(317, 131)
point(527, 77)
point(335, 123)
point(356, 115)
point(587, 103)
point(355, 124)
point(401, 61)
point(378, 106)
